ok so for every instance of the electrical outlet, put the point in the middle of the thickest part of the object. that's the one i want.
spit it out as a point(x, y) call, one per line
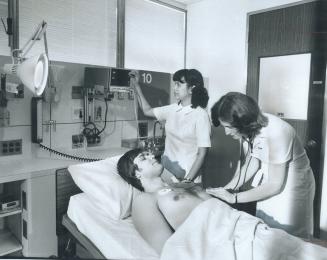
point(11, 147)
point(131, 95)
point(93, 141)
point(77, 141)
point(120, 95)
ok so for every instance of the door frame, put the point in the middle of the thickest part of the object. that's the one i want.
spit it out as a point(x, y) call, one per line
point(316, 100)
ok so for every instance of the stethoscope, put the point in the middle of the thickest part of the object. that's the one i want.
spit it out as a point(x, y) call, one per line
point(249, 141)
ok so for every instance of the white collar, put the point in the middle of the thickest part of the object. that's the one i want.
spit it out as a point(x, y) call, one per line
point(185, 109)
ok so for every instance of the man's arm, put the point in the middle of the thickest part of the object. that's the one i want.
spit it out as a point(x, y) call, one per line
point(149, 221)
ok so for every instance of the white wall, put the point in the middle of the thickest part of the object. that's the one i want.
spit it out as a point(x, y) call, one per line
point(216, 45)
point(216, 41)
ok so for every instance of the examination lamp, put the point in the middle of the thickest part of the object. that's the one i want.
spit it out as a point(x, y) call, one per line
point(32, 71)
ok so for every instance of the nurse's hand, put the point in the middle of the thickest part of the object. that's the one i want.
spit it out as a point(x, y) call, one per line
point(184, 184)
point(134, 77)
point(222, 194)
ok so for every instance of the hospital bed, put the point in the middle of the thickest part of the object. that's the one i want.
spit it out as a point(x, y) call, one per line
point(104, 237)
point(114, 239)
point(84, 231)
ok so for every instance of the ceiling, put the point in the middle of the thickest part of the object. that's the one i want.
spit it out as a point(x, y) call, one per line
point(180, 3)
point(186, 2)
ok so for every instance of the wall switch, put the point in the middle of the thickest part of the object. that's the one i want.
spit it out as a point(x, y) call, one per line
point(4, 117)
point(11, 147)
point(77, 113)
point(77, 92)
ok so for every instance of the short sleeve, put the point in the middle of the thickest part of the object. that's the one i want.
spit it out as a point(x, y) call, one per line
point(274, 150)
point(203, 129)
point(162, 113)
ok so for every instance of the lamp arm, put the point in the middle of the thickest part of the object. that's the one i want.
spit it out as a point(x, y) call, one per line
point(40, 30)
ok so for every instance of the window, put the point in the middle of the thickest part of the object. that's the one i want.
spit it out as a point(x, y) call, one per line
point(4, 48)
point(154, 36)
point(79, 31)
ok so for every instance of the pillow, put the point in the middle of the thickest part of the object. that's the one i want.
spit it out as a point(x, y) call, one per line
point(102, 183)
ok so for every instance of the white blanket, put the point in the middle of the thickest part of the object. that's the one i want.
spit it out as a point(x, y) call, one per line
point(216, 231)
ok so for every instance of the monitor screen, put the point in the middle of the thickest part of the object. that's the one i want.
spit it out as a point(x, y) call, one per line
point(119, 81)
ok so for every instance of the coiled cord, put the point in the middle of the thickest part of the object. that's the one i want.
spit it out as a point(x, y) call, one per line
point(76, 158)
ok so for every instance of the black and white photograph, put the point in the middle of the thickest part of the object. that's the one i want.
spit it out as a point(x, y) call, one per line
point(163, 129)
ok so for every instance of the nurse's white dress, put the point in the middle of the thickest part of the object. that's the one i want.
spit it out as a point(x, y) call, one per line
point(186, 129)
point(292, 209)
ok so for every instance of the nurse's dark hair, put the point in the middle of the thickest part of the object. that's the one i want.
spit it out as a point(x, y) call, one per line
point(126, 168)
point(193, 78)
point(240, 111)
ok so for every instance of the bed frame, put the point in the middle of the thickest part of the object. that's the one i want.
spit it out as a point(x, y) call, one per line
point(71, 242)
point(81, 239)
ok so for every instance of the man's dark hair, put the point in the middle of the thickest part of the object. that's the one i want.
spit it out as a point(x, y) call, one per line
point(126, 168)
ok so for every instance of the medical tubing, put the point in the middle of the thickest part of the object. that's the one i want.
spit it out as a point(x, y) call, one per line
point(94, 132)
point(69, 156)
point(136, 98)
point(239, 176)
point(105, 117)
point(246, 169)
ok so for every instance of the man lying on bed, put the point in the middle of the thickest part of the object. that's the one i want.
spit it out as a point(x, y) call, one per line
point(161, 209)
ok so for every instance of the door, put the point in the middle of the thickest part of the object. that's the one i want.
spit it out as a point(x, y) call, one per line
point(292, 30)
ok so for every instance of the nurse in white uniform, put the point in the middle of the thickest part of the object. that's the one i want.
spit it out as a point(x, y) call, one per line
point(187, 125)
point(274, 160)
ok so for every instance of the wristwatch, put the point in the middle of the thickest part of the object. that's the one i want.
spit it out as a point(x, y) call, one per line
point(187, 180)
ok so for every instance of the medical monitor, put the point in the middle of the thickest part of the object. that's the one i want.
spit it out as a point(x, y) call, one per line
point(119, 80)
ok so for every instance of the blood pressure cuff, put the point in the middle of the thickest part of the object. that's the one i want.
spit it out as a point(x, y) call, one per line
point(173, 167)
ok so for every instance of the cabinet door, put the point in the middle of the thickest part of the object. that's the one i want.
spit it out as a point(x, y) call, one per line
point(39, 217)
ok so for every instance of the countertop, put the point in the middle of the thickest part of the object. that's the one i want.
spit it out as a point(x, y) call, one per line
point(19, 169)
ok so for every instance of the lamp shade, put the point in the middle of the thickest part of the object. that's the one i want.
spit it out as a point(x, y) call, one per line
point(33, 72)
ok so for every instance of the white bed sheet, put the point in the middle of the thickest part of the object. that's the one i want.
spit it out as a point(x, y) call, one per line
point(116, 239)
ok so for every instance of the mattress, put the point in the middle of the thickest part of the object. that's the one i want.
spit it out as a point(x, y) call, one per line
point(116, 239)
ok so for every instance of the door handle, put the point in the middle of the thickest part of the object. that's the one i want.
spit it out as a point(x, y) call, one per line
point(311, 144)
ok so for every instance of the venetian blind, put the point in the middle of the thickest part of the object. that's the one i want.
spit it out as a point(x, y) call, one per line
point(79, 31)
point(155, 36)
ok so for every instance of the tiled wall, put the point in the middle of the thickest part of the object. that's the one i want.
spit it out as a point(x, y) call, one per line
point(121, 122)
